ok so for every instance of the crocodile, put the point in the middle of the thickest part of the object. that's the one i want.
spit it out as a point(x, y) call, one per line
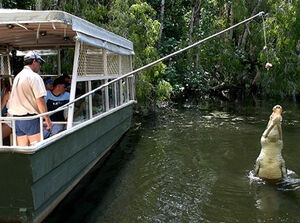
point(270, 164)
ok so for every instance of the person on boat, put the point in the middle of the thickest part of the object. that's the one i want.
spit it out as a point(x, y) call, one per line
point(6, 127)
point(5, 92)
point(68, 79)
point(27, 99)
point(79, 107)
point(55, 99)
point(48, 84)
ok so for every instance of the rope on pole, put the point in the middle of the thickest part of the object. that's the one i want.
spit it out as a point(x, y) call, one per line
point(268, 65)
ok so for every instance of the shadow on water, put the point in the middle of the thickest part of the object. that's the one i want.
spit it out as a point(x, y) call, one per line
point(272, 198)
point(89, 193)
point(190, 164)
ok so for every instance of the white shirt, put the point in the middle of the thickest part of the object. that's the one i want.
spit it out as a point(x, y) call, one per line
point(27, 87)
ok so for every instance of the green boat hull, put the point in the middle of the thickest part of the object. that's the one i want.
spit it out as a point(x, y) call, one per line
point(33, 184)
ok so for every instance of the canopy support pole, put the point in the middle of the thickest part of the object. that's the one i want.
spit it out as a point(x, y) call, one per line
point(73, 84)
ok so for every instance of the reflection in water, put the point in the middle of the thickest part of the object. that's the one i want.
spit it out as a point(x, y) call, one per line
point(190, 165)
point(267, 202)
point(270, 197)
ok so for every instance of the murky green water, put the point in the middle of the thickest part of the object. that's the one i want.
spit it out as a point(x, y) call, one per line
point(191, 165)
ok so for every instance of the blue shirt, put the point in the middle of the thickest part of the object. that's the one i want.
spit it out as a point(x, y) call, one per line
point(53, 102)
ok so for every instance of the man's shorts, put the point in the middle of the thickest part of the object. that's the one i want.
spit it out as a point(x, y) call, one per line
point(55, 128)
point(27, 127)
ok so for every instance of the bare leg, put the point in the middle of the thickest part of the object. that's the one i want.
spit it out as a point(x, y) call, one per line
point(6, 130)
point(34, 138)
point(22, 140)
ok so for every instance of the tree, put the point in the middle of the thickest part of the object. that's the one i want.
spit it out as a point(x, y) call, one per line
point(144, 32)
point(232, 63)
point(162, 15)
point(282, 29)
point(18, 4)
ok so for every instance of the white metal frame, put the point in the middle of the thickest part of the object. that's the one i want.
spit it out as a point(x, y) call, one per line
point(73, 84)
point(115, 79)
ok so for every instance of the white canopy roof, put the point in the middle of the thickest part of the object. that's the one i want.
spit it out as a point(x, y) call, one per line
point(26, 29)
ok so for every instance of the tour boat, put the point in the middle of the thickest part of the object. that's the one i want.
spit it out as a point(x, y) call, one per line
point(35, 178)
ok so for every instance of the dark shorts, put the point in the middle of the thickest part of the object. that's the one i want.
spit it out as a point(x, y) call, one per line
point(27, 127)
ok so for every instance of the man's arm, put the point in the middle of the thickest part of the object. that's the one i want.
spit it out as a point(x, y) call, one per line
point(43, 108)
point(4, 99)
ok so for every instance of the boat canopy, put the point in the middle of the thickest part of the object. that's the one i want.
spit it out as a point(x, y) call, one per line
point(26, 29)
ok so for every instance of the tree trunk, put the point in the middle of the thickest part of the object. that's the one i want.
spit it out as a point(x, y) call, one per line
point(231, 21)
point(55, 4)
point(246, 30)
point(226, 15)
point(38, 4)
point(195, 18)
point(258, 73)
point(162, 16)
point(191, 26)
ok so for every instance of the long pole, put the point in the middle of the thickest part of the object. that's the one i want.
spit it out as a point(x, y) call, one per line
point(165, 57)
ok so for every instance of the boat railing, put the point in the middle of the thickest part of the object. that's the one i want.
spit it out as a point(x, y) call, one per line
point(116, 93)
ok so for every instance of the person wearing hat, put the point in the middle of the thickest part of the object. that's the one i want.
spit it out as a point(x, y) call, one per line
point(55, 99)
point(48, 84)
point(27, 99)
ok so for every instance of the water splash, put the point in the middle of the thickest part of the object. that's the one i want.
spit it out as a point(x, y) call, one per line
point(254, 179)
point(290, 183)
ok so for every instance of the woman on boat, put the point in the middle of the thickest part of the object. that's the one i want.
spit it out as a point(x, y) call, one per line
point(79, 107)
point(6, 127)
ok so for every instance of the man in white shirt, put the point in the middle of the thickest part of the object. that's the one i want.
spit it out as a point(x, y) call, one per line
point(27, 99)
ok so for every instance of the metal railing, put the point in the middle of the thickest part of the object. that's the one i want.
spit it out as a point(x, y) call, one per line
point(125, 92)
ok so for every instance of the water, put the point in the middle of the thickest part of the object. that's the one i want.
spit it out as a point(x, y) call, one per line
point(191, 164)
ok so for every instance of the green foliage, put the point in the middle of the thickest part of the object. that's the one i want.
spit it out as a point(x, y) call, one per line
point(97, 14)
point(50, 67)
point(118, 18)
point(18, 4)
point(164, 90)
point(143, 31)
point(283, 36)
point(67, 55)
point(235, 59)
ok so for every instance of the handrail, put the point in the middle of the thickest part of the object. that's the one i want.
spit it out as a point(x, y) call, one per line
point(61, 108)
point(39, 145)
point(12, 119)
